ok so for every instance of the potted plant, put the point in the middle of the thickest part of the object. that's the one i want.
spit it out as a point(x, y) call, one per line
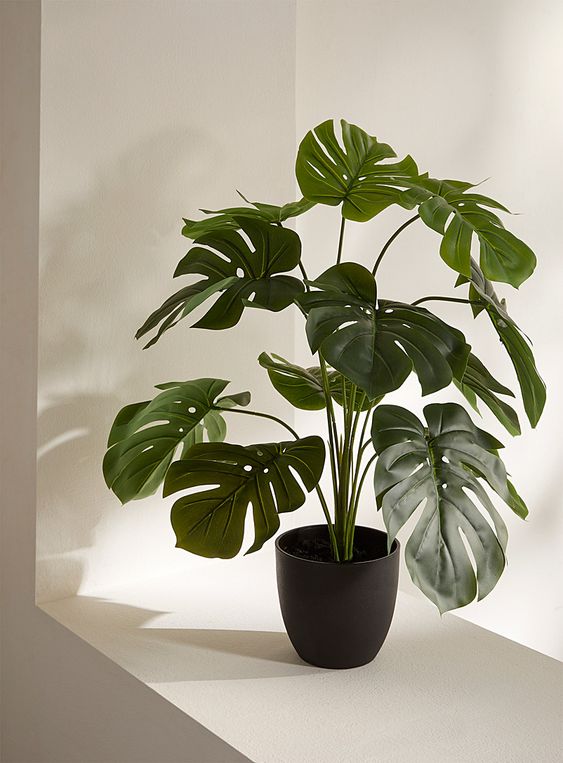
point(337, 581)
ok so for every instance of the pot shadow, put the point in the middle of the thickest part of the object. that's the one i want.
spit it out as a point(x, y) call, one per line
point(174, 655)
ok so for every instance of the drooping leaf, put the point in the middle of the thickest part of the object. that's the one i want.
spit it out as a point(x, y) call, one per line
point(477, 381)
point(514, 341)
point(303, 387)
point(145, 436)
point(210, 522)
point(447, 207)
point(349, 169)
point(247, 275)
point(229, 218)
point(374, 344)
point(440, 465)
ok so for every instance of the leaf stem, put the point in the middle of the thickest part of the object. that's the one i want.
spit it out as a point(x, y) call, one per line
point(340, 241)
point(260, 415)
point(446, 299)
point(390, 241)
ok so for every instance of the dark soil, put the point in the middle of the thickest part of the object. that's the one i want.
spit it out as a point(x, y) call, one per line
point(318, 550)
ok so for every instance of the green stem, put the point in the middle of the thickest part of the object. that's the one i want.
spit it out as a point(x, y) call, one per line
point(340, 241)
point(260, 415)
point(390, 241)
point(351, 518)
point(304, 274)
point(331, 424)
point(354, 509)
point(446, 299)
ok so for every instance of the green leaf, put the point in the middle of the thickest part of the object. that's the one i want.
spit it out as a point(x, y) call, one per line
point(478, 381)
point(229, 218)
point(458, 216)
point(210, 522)
point(376, 345)
point(303, 387)
point(350, 171)
point(441, 465)
point(145, 436)
point(246, 275)
point(514, 341)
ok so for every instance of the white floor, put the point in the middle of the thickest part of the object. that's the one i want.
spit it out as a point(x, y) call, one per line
point(441, 689)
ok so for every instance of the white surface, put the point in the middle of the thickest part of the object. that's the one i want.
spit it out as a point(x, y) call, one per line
point(440, 689)
point(473, 90)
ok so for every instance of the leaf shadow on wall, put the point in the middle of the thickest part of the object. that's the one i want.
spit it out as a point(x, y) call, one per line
point(106, 261)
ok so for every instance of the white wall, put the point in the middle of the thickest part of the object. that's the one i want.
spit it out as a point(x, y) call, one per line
point(61, 701)
point(149, 110)
point(472, 90)
point(137, 133)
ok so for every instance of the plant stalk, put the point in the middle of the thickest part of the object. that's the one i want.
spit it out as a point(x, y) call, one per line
point(390, 241)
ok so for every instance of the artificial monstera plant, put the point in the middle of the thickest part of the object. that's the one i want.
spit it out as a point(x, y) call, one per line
point(443, 469)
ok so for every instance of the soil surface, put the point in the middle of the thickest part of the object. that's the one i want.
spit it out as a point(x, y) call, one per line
point(318, 550)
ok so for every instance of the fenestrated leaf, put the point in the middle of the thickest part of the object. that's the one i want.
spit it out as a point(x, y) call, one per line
point(145, 436)
point(179, 305)
point(247, 275)
point(447, 207)
point(477, 381)
point(210, 522)
point(229, 218)
point(440, 465)
point(518, 347)
point(374, 344)
point(351, 172)
point(303, 387)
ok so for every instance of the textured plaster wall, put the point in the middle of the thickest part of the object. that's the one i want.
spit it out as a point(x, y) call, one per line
point(149, 110)
point(472, 90)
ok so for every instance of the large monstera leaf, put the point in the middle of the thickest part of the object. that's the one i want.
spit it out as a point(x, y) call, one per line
point(374, 344)
point(532, 386)
point(351, 171)
point(145, 436)
point(220, 219)
point(229, 478)
point(246, 274)
point(459, 215)
point(478, 382)
point(441, 466)
point(303, 387)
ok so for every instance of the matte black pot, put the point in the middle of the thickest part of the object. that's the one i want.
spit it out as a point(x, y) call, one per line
point(337, 615)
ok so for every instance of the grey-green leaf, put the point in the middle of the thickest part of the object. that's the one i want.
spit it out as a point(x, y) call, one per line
point(228, 478)
point(440, 465)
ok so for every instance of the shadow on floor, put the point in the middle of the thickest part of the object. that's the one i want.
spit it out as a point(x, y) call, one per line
point(169, 655)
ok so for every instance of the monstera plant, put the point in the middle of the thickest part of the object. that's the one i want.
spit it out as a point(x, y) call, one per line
point(443, 468)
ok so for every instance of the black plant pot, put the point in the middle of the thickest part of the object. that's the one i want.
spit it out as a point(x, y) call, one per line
point(337, 615)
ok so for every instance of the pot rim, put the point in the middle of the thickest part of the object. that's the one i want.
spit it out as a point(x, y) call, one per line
point(395, 549)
